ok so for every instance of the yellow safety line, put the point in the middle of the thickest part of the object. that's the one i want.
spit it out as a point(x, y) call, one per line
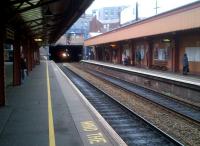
point(50, 113)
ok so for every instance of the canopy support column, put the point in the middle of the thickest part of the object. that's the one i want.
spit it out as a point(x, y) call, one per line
point(2, 75)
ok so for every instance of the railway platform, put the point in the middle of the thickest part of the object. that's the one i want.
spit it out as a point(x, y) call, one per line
point(186, 79)
point(47, 109)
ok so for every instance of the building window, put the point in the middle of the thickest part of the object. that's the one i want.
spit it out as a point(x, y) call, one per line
point(161, 54)
point(161, 51)
point(140, 52)
point(111, 12)
point(193, 53)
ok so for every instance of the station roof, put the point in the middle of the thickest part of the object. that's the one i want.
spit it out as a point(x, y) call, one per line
point(45, 19)
point(183, 18)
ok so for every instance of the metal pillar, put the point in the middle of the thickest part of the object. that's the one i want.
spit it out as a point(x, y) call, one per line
point(28, 55)
point(38, 55)
point(99, 49)
point(2, 75)
point(175, 54)
point(16, 62)
point(25, 53)
point(150, 54)
point(120, 54)
point(95, 53)
point(32, 55)
point(110, 54)
point(132, 53)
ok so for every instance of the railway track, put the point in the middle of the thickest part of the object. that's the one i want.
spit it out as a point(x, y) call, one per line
point(183, 109)
point(132, 128)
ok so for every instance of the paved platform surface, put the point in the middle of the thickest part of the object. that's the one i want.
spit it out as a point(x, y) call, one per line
point(188, 79)
point(26, 118)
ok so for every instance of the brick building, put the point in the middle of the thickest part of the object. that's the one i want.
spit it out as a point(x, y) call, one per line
point(160, 40)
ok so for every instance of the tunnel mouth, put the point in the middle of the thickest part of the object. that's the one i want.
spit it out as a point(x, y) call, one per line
point(66, 53)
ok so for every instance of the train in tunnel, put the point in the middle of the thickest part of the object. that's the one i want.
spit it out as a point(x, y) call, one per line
point(66, 53)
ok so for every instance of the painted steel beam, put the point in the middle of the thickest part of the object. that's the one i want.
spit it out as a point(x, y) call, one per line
point(16, 62)
point(2, 75)
point(39, 4)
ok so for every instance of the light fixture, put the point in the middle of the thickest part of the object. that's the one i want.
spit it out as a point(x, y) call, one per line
point(38, 40)
point(113, 45)
point(166, 40)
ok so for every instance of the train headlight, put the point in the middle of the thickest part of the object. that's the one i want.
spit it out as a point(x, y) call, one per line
point(64, 55)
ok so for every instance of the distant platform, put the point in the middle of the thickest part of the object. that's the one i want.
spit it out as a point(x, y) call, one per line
point(186, 79)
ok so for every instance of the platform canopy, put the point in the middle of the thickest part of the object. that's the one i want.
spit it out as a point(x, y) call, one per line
point(42, 19)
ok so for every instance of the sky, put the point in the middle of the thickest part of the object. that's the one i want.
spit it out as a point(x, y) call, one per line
point(146, 7)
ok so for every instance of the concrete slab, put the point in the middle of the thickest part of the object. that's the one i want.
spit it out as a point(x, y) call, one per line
point(5, 113)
